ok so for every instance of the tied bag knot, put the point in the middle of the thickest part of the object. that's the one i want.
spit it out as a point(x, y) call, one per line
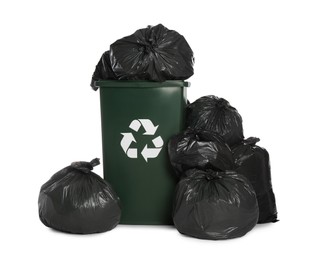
point(85, 167)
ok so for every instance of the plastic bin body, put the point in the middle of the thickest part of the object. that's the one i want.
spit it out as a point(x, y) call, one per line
point(138, 118)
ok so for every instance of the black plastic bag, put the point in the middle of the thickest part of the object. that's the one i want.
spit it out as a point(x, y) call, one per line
point(214, 205)
point(211, 113)
point(199, 149)
point(253, 162)
point(76, 200)
point(103, 70)
point(153, 53)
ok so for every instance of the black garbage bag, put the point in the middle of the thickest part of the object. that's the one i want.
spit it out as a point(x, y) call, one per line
point(76, 200)
point(211, 113)
point(103, 70)
point(214, 205)
point(199, 149)
point(253, 162)
point(153, 53)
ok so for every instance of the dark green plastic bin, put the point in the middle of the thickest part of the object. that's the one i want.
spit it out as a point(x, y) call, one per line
point(138, 118)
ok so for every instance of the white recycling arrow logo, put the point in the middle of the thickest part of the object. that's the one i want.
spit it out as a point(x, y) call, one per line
point(147, 152)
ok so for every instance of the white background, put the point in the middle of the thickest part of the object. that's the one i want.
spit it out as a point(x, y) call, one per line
point(261, 56)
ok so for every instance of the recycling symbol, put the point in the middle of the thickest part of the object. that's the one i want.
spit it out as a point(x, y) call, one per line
point(147, 152)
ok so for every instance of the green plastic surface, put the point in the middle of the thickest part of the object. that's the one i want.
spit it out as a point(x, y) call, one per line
point(145, 185)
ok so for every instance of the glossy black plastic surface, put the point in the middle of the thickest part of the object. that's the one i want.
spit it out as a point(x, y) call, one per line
point(76, 200)
point(153, 53)
point(211, 113)
point(103, 70)
point(199, 149)
point(214, 205)
point(253, 162)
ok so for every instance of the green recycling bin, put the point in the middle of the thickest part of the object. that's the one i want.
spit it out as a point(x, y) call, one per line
point(138, 118)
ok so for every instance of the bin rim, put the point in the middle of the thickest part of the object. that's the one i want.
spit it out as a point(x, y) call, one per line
point(140, 84)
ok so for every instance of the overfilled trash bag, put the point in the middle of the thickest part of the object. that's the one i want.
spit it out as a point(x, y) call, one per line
point(214, 205)
point(76, 200)
point(153, 53)
point(211, 113)
point(103, 70)
point(253, 162)
point(199, 149)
